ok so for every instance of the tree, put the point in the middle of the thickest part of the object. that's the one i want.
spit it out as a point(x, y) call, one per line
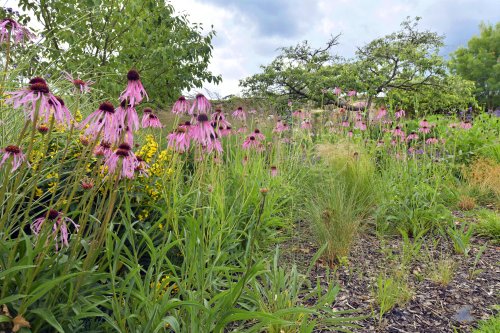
point(480, 62)
point(106, 38)
point(406, 60)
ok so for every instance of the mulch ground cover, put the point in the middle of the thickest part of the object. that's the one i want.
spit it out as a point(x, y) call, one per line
point(471, 294)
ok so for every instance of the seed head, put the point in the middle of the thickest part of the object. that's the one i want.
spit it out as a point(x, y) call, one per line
point(107, 107)
point(133, 75)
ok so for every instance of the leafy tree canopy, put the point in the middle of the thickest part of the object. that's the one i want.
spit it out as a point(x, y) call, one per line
point(480, 63)
point(103, 39)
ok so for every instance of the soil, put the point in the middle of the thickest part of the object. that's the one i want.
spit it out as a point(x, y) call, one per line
point(433, 307)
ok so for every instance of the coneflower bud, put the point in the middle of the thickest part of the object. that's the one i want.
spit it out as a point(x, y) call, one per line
point(133, 75)
point(84, 140)
point(43, 128)
point(87, 183)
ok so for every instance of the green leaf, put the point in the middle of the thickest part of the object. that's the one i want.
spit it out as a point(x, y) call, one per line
point(49, 317)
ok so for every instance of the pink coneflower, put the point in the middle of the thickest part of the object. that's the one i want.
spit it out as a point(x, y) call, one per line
point(380, 143)
point(351, 93)
point(59, 226)
point(412, 136)
point(424, 123)
point(179, 140)
point(135, 91)
point(280, 127)
point(306, 124)
point(37, 93)
point(10, 27)
point(453, 125)
point(60, 112)
point(127, 116)
point(213, 144)
point(337, 91)
point(201, 103)
point(360, 125)
point(242, 129)
point(240, 114)
point(87, 183)
point(225, 131)
point(350, 134)
point(387, 122)
point(431, 141)
point(181, 106)
point(274, 171)
point(359, 116)
point(399, 114)
point(149, 119)
point(17, 156)
point(103, 149)
point(220, 119)
point(424, 129)
point(345, 123)
point(80, 85)
point(381, 114)
point(398, 132)
point(103, 120)
point(203, 129)
point(298, 114)
point(141, 167)
point(128, 159)
point(251, 142)
point(258, 134)
point(466, 125)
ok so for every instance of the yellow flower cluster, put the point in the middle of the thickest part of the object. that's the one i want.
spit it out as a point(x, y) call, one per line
point(78, 116)
point(143, 215)
point(149, 149)
point(164, 284)
point(35, 158)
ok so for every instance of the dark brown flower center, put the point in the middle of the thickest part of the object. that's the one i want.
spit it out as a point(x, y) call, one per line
point(252, 138)
point(37, 79)
point(107, 107)
point(147, 110)
point(202, 118)
point(105, 144)
point(53, 214)
point(13, 149)
point(78, 83)
point(133, 75)
point(40, 87)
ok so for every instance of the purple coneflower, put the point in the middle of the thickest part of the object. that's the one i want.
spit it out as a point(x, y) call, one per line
point(135, 91)
point(80, 85)
point(213, 144)
point(360, 125)
point(306, 124)
point(350, 134)
point(274, 171)
point(345, 123)
point(103, 149)
point(220, 119)
point(179, 140)
point(103, 119)
point(141, 167)
point(87, 183)
point(240, 114)
point(381, 114)
point(37, 93)
point(60, 111)
point(466, 125)
point(431, 141)
point(424, 123)
point(251, 142)
point(398, 132)
point(351, 93)
point(359, 116)
point(337, 91)
point(225, 131)
point(412, 136)
point(424, 129)
point(149, 119)
point(17, 156)
point(453, 125)
point(128, 158)
point(10, 27)
point(203, 129)
point(280, 127)
point(399, 114)
point(298, 114)
point(242, 129)
point(201, 103)
point(127, 116)
point(380, 143)
point(258, 134)
point(181, 106)
point(59, 226)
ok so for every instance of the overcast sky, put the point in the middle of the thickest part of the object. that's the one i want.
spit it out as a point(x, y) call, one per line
point(250, 31)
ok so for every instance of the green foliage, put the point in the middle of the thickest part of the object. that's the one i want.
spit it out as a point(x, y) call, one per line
point(391, 290)
point(488, 225)
point(104, 39)
point(490, 325)
point(478, 62)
